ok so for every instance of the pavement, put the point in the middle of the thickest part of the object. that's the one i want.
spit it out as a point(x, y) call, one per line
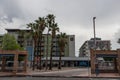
point(65, 72)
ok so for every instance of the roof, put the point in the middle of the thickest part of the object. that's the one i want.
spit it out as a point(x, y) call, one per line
point(14, 30)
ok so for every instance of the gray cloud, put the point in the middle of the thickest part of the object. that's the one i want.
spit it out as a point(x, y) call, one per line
point(73, 16)
point(67, 11)
point(10, 9)
point(82, 11)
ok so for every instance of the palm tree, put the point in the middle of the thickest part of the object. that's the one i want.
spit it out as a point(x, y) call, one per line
point(41, 27)
point(48, 24)
point(37, 29)
point(34, 35)
point(54, 28)
point(62, 41)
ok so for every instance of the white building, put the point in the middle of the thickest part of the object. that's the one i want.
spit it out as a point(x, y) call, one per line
point(89, 44)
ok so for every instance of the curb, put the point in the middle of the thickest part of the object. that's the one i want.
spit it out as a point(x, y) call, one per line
point(57, 76)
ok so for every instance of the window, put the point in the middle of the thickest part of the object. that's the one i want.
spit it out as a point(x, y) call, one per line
point(72, 39)
point(29, 43)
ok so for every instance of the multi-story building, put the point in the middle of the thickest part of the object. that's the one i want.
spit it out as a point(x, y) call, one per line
point(68, 58)
point(26, 43)
point(69, 48)
point(45, 45)
point(20, 36)
point(84, 50)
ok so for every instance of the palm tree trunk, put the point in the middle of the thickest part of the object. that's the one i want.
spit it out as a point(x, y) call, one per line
point(46, 64)
point(33, 66)
point(59, 67)
point(50, 67)
point(31, 63)
point(39, 43)
point(37, 52)
point(34, 55)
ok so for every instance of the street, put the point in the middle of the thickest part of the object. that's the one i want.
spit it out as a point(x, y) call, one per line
point(51, 78)
point(66, 73)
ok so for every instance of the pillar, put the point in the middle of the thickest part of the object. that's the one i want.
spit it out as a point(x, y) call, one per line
point(118, 51)
point(15, 66)
point(3, 63)
point(115, 62)
point(92, 58)
point(25, 63)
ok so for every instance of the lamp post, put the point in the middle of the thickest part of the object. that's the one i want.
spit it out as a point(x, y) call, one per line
point(96, 61)
point(94, 32)
point(94, 42)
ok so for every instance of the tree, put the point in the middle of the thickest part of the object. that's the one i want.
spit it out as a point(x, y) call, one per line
point(34, 35)
point(41, 27)
point(54, 28)
point(62, 41)
point(48, 24)
point(10, 43)
point(37, 29)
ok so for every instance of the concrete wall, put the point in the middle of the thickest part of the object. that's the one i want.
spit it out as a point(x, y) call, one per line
point(72, 46)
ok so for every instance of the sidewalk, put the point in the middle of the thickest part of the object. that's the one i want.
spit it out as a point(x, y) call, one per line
point(52, 73)
point(101, 75)
point(30, 72)
point(109, 75)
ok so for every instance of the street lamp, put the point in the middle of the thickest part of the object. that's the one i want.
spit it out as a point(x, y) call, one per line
point(94, 42)
point(94, 32)
point(96, 61)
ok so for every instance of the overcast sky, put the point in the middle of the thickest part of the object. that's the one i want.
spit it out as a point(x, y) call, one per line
point(73, 17)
